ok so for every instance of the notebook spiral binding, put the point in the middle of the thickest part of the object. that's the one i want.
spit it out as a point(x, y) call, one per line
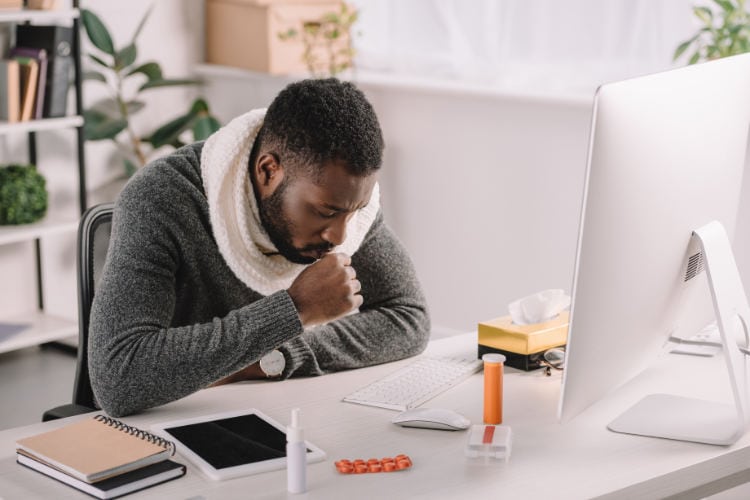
point(134, 431)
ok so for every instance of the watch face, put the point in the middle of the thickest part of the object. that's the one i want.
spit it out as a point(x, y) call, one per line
point(273, 363)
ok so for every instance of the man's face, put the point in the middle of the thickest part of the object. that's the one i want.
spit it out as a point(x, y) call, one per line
point(306, 219)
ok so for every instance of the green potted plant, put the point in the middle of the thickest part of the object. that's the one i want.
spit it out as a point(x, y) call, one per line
point(725, 32)
point(110, 118)
point(23, 194)
point(327, 42)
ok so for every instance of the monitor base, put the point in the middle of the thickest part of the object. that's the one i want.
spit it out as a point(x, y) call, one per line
point(684, 419)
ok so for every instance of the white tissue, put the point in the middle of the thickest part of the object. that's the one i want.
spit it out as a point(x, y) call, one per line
point(539, 307)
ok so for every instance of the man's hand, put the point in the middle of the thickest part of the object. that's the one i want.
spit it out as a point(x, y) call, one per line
point(326, 290)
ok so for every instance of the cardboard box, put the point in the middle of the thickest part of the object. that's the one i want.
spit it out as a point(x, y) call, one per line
point(245, 33)
point(522, 345)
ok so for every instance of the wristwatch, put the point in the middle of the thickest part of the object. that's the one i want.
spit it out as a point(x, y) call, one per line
point(273, 363)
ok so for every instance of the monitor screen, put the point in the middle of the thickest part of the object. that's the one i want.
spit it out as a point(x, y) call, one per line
point(666, 156)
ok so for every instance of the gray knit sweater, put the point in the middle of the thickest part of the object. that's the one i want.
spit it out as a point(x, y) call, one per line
point(170, 317)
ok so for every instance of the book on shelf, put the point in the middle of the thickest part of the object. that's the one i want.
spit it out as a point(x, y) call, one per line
point(29, 80)
point(57, 41)
point(96, 448)
point(40, 56)
point(10, 91)
point(112, 487)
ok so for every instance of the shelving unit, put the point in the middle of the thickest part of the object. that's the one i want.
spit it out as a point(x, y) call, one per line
point(38, 326)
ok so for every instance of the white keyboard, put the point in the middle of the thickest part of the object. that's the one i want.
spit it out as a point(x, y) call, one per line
point(416, 383)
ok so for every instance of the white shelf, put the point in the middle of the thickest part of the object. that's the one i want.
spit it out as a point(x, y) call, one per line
point(43, 124)
point(39, 328)
point(47, 226)
point(37, 16)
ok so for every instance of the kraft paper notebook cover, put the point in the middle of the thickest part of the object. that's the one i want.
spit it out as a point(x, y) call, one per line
point(96, 448)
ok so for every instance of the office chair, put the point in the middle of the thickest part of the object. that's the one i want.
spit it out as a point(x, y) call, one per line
point(93, 242)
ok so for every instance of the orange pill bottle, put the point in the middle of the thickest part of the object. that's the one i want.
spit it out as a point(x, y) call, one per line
point(493, 388)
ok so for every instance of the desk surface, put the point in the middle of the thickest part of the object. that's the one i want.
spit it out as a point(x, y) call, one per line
point(578, 459)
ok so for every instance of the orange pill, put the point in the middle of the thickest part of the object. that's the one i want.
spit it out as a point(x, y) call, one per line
point(389, 466)
point(373, 461)
point(342, 462)
point(375, 467)
point(358, 461)
point(360, 468)
point(403, 464)
point(401, 457)
point(345, 469)
point(386, 460)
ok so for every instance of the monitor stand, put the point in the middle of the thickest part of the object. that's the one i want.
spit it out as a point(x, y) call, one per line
point(687, 419)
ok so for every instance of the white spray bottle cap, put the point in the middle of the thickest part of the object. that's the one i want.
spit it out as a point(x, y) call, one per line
point(295, 433)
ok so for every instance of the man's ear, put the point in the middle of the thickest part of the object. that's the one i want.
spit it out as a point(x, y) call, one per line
point(268, 173)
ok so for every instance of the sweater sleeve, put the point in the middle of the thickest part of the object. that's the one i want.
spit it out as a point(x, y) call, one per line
point(392, 323)
point(136, 359)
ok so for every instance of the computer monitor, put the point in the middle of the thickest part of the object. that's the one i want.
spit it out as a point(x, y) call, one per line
point(666, 157)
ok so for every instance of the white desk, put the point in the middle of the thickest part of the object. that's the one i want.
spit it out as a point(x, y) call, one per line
point(580, 459)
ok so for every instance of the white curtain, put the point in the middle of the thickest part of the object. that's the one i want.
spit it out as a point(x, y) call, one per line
point(565, 43)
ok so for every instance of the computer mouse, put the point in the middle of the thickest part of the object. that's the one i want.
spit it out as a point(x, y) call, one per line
point(432, 418)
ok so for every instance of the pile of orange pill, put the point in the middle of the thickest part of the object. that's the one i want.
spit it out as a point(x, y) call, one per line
point(359, 466)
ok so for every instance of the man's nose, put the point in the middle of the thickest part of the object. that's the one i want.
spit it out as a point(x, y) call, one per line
point(335, 233)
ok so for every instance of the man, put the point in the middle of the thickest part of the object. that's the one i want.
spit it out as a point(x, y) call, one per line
point(261, 253)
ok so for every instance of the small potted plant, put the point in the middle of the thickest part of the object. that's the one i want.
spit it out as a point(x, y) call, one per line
point(23, 194)
point(327, 42)
point(725, 32)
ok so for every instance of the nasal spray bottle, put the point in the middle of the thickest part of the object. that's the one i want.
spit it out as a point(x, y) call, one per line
point(296, 456)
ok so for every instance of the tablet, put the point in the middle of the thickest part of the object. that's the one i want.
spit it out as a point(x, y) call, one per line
point(232, 444)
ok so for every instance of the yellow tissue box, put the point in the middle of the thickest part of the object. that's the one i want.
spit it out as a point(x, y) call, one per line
point(519, 343)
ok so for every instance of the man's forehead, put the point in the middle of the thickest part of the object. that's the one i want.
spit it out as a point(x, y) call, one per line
point(336, 188)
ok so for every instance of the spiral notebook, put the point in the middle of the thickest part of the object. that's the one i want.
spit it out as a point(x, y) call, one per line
point(96, 448)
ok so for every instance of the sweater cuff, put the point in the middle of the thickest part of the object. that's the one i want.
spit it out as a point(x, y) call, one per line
point(276, 316)
point(300, 359)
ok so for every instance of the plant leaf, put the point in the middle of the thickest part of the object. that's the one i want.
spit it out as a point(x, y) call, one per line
point(94, 75)
point(130, 167)
point(168, 82)
point(97, 32)
point(725, 4)
point(204, 127)
point(694, 59)
point(170, 131)
point(152, 70)
point(125, 57)
point(704, 14)
point(199, 106)
point(98, 126)
point(111, 107)
point(99, 61)
point(140, 25)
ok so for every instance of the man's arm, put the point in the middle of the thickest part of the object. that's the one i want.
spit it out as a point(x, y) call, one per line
point(393, 322)
point(136, 359)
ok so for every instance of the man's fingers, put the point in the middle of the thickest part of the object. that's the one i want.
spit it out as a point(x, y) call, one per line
point(343, 259)
point(350, 272)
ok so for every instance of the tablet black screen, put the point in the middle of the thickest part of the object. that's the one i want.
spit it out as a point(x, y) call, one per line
point(232, 441)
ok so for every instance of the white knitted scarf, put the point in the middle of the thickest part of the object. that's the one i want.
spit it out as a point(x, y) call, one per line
point(233, 209)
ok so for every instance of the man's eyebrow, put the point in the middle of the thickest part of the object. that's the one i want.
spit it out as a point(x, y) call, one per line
point(333, 207)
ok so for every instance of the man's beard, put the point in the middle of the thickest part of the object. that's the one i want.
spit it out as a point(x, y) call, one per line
point(278, 227)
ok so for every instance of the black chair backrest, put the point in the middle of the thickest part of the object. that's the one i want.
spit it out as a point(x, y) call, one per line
point(93, 242)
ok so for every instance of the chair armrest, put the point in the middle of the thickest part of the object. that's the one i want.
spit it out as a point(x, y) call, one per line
point(67, 410)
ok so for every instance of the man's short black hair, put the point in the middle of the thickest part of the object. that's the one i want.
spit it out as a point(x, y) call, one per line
point(315, 122)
